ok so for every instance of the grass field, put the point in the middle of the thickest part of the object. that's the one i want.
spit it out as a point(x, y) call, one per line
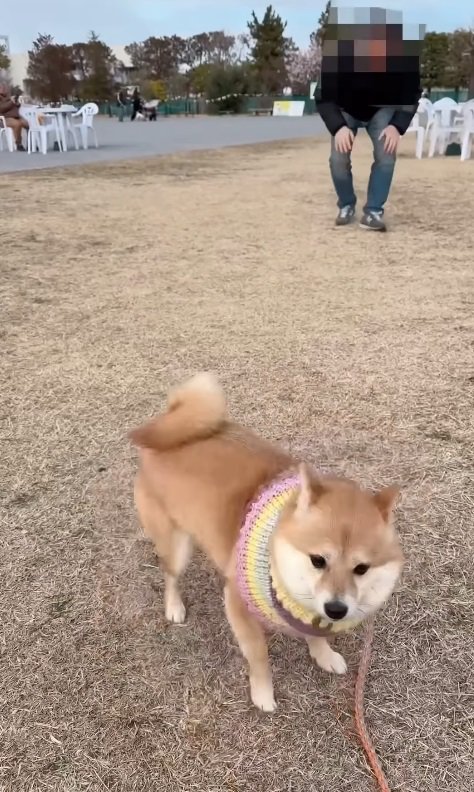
point(355, 349)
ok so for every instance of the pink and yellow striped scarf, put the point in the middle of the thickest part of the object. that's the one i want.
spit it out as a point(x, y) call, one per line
point(257, 581)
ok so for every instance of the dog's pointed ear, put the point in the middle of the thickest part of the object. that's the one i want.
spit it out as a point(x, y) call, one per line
point(386, 500)
point(310, 490)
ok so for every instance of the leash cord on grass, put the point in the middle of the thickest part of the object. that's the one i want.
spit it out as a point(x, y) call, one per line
point(362, 731)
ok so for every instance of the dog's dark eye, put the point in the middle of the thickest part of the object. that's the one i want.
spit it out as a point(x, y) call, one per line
point(361, 569)
point(318, 561)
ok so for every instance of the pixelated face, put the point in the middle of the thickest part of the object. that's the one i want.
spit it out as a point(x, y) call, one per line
point(369, 40)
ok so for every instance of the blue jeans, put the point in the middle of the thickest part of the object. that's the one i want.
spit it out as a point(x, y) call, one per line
point(382, 168)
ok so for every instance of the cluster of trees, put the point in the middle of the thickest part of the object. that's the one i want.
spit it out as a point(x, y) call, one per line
point(264, 60)
point(88, 70)
point(448, 60)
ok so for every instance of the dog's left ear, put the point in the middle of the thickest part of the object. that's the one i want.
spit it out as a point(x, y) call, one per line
point(386, 500)
point(310, 490)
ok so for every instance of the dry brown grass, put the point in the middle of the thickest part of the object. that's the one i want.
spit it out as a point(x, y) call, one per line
point(356, 349)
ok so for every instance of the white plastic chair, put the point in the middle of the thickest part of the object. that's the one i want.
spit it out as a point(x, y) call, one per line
point(421, 125)
point(87, 113)
point(70, 129)
point(461, 130)
point(425, 106)
point(467, 133)
point(7, 133)
point(417, 127)
point(445, 124)
point(40, 128)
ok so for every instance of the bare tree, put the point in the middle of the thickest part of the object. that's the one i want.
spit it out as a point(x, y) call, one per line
point(304, 67)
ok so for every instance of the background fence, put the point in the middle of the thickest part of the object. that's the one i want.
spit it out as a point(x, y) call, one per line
point(250, 104)
point(439, 93)
point(184, 106)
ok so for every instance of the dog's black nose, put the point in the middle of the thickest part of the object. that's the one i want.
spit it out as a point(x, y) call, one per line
point(335, 609)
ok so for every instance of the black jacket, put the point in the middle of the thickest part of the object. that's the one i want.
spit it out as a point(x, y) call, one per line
point(361, 94)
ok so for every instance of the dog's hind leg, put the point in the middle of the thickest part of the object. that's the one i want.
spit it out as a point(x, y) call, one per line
point(176, 562)
point(173, 547)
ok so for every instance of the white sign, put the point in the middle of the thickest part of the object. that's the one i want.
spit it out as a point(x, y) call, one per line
point(288, 108)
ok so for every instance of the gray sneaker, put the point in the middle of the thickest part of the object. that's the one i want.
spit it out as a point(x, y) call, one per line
point(345, 216)
point(373, 221)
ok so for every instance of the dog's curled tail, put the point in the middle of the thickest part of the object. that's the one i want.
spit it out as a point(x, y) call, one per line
point(196, 410)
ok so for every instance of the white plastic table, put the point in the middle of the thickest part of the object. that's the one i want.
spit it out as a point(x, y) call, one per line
point(63, 119)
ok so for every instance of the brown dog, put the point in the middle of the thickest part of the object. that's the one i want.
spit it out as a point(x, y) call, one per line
point(300, 553)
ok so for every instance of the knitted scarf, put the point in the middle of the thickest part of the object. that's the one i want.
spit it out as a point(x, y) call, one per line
point(257, 579)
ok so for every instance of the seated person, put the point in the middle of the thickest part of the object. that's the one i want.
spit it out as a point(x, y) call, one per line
point(10, 110)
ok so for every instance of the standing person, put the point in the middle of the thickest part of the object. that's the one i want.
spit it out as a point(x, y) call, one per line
point(121, 104)
point(136, 104)
point(370, 77)
point(10, 110)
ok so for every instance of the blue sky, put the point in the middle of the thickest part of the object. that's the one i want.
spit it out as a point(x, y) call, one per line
point(123, 21)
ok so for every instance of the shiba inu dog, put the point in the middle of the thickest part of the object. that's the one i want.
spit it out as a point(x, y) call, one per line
point(305, 554)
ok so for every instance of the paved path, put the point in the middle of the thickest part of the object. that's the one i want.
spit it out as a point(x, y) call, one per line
point(168, 136)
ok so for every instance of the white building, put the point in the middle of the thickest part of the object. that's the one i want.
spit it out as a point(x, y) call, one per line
point(18, 68)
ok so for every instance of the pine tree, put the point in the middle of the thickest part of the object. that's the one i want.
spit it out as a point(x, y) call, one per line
point(269, 50)
point(50, 70)
point(318, 36)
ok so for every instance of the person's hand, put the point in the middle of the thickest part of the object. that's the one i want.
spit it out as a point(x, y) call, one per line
point(344, 140)
point(392, 137)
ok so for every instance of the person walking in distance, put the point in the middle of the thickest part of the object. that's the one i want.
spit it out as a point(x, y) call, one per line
point(370, 78)
point(136, 104)
point(121, 103)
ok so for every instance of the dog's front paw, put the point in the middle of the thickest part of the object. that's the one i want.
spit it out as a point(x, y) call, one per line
point(334, 663)
point(262, 696)
point(175, 611)
point(327, 658)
